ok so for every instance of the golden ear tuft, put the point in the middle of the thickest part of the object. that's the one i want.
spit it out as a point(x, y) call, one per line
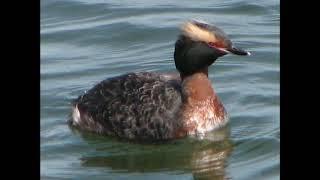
point(196, 33)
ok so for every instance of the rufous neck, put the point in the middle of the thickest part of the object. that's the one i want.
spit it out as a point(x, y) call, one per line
point(197, 86)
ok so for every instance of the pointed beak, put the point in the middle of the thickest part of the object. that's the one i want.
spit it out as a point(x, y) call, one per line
point(238, 51)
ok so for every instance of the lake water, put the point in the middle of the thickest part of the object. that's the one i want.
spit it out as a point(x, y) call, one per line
point(86, 41)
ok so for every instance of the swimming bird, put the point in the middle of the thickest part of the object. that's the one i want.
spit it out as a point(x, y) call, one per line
point(161, 106)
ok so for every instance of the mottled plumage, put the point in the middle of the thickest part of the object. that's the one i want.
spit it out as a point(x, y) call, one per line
point(135, 106)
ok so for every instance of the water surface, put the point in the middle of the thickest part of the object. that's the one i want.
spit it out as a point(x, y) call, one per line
point(86, 41)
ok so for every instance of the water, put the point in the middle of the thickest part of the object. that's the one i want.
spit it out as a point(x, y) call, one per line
point(86, 41)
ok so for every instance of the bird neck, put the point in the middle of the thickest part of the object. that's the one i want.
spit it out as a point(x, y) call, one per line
point(202, 110)
point(196, 87)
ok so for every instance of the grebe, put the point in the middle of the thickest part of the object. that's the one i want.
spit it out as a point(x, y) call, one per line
point(161, 106)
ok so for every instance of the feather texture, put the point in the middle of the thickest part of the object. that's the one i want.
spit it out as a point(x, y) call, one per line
point(134, 106)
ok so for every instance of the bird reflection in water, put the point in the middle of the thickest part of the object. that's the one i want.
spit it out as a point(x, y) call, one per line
point(205, 158)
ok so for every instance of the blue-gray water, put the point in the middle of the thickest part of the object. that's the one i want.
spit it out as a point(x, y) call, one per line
point(86, 41)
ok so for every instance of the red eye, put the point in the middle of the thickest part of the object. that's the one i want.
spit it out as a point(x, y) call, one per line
point(211, 44)
point(216, 45)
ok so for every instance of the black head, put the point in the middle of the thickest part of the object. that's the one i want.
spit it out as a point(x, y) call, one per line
point(200, 45)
